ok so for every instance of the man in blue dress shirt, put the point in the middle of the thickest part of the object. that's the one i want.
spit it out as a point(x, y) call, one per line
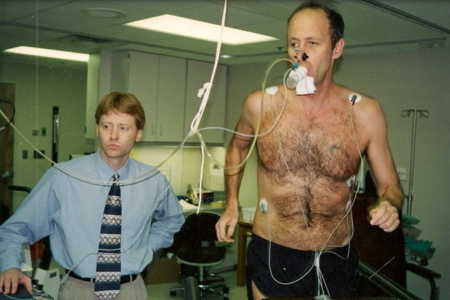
point(67, 205)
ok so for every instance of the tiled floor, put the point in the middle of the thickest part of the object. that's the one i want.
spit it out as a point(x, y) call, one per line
point(162, 291)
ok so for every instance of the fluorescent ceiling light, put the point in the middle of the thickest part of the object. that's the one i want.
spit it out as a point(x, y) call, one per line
point(199, 30)
point(49, 53)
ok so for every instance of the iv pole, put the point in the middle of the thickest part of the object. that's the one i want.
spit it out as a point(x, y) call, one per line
point(407, 113)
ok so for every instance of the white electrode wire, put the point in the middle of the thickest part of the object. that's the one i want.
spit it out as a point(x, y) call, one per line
point(202, 163)
point(133, 242)
point(357, 188)
point(302, 210)
point(322, 288)
point(258, 125)
point(205, 91)
point(270, 260)
point(204, 148)
point(8, 120)
point(381, 268)
point(268, 130)
point(133, 180)
point(256, 134)
point(350, 227)
point(283, 157)
point(349, 210)
point(37, 60)
point(124, 182)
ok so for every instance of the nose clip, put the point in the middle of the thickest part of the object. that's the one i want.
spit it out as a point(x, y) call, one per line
point(304, 55)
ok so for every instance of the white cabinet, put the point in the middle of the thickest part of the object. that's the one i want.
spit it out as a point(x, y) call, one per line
point(199, 73)
point(137, 73)
point(159, 82)
point(167, 88)
point(171, 99)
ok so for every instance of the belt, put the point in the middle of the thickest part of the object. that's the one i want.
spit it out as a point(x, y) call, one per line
point(123, 279)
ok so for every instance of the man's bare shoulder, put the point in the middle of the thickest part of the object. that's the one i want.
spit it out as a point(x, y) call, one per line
point(256, 96)
point(368, 106)
point(259, 97)
point(361, 102)
point(365, 109)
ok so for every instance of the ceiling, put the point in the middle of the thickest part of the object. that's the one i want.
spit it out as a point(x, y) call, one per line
point(371, 26)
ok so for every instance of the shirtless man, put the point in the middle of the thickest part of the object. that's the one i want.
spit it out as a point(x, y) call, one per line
point(301, 229)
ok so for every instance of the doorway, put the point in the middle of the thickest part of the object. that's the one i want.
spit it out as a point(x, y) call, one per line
point(7, 97)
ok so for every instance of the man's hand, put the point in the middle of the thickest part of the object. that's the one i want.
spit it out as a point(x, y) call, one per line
point(11, 278)
point(226, 225)
point(385, 216)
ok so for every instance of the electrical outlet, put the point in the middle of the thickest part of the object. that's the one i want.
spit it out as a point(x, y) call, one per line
point(402, 175)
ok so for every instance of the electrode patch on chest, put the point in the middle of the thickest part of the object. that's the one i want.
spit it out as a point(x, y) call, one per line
point(272, 90)
point(354, 98)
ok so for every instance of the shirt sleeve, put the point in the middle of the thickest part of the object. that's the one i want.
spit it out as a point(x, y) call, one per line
point(27, 225)
point(168, 220)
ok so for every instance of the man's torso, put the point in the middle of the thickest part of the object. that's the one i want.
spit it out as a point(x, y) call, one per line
point(305, 169)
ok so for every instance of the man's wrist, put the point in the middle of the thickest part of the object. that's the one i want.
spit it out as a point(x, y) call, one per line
point(389, 202)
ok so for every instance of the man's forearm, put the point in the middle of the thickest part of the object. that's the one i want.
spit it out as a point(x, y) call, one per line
point(232, 185)
point(234, 171)
point(393, 194)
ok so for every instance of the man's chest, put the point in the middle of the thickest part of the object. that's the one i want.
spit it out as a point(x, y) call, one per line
point(326, 146)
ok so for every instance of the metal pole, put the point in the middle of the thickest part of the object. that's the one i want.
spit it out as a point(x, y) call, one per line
point(55, 139)
point(411, 163)
point(406, 113)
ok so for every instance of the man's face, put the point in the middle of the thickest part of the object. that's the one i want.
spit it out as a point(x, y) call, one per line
point(116, 134)
point(309, 30)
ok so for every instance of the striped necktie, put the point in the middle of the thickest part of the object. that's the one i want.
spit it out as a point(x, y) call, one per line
point(107, 279)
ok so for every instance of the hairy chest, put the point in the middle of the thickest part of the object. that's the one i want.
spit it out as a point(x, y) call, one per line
point(311, 147)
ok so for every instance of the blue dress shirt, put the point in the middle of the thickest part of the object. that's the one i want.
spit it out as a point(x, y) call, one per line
point(67, 205)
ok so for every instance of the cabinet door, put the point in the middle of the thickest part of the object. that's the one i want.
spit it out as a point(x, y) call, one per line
point(171, 99)
point(214, 114)
point(142, 81)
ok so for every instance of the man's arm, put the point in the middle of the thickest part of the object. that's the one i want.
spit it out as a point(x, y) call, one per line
point(169, 218)
point(237, 152)
point(27, 225)
point(385, 213)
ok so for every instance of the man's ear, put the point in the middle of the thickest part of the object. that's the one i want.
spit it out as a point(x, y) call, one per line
point(96, 130)
point(138, 135)
point(338, 49)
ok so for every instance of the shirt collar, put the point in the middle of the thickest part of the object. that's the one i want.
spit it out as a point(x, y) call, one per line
point(106, 172)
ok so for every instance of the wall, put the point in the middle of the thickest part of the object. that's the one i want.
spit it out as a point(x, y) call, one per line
point(181, 165)
point(399, 81)
point(38, 89)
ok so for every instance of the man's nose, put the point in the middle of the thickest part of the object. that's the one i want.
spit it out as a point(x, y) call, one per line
point(300, 54)
point(114, 134)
